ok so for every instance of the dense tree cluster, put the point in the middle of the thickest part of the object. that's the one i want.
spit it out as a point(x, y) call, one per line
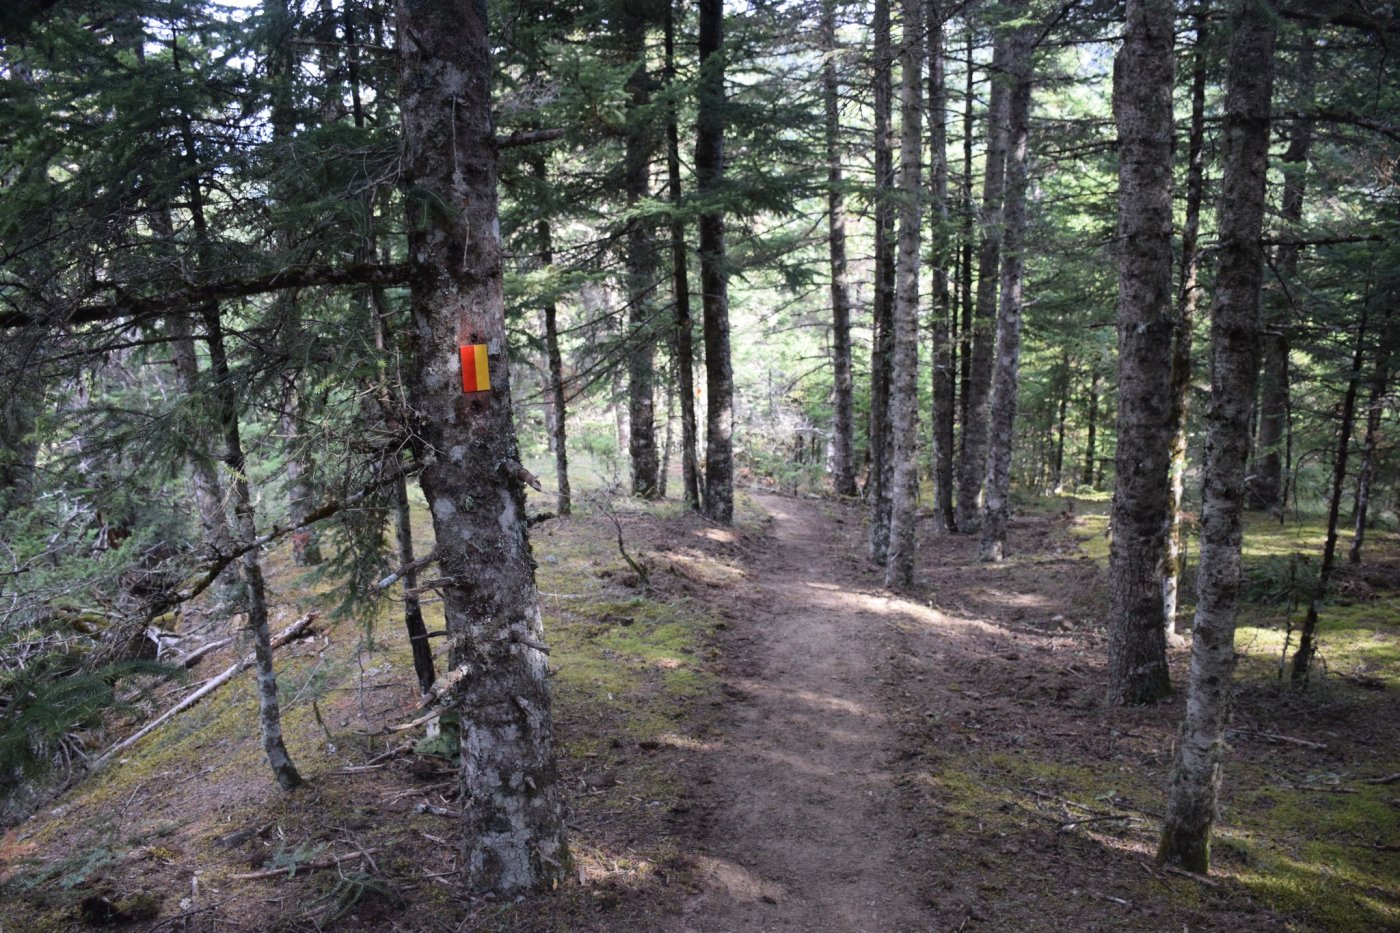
point(259, 264)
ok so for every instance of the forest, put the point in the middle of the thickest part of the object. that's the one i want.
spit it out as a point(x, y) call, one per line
point(649, 465)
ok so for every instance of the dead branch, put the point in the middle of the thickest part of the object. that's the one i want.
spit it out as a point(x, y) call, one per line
point(403, 571)
point(291, 870)
point(181, 299)
point(1208, 882)
point(1276, 737)
point(211, 571)
point(191, 659)
point(528, 138)
point(214, 683)
point(1096, 819)
point(637, 568)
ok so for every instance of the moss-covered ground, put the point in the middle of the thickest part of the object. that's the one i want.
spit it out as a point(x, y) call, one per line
point(1309, 827)
point(179, 815)
point(1029, 803)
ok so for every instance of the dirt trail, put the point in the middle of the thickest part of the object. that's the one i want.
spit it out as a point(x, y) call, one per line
point(803, 830)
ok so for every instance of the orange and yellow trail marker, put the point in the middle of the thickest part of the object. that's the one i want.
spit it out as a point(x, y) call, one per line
point(476, 370)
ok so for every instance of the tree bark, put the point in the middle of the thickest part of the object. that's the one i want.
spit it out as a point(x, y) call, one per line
point(207, 490)
point(1091, 450)
point(640, 261)
point(559, 428)
point(1375, 409)
point(972, 468)
point(1195, 778)
point(1058, 470)
point(1006, 371)
point(414, 624)
point(1142, 105)
point(904, 368)
point(513, 817)
point(245, 524)
point(1307, 639)
point(969, 217)
point(882, 335)
point(300, 468)
point(1186, 301)
point(944, 380)
point(1267, 488)
point(843, 469)
point(714, 276)
point(680, 284)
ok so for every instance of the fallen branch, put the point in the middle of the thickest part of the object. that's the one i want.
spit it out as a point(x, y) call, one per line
point(1096, 819)
point(391, 754)
point(1208, 882)
point(291, 870)
point(214, 683)
point(1276, 737)
point(1388, 779)
point(191, 659)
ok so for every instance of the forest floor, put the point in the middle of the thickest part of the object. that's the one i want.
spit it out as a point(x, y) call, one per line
point(759, 736)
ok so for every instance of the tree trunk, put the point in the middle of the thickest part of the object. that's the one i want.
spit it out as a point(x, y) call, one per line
point(1091, 443)
point(882, 335)
point(972, 469)
point(965, 256)
point(843, 471)
point(714, 277)
point(208, 491)
point(19, 445)
point(665, 472)
point(1006, 374)
point(1307, 639)
point(1267, 488)
point(299, 469)
point(1375, 409)
point(1195, 778)
point(680, 279)
point(1185, 325)
point(1058, 471)
point(513, 817)
point(558, 426)
point(412, 609)
point(414, 624)
point(904, 369)
point(944, 382)
point(245, 524)
point(1142, 105)
point(640, 262)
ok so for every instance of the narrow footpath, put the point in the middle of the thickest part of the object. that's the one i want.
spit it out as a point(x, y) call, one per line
point(802, 828)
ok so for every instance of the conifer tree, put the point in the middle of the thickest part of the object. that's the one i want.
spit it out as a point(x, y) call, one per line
point(972, 464)
point(903, 423)
point(1137, 653)
point(714, 276)
point(1007, 358)
point(1195, 778)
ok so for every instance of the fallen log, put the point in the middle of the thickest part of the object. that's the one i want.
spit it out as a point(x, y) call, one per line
point(191, 659)
point(291, 870)
point(214, 683)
